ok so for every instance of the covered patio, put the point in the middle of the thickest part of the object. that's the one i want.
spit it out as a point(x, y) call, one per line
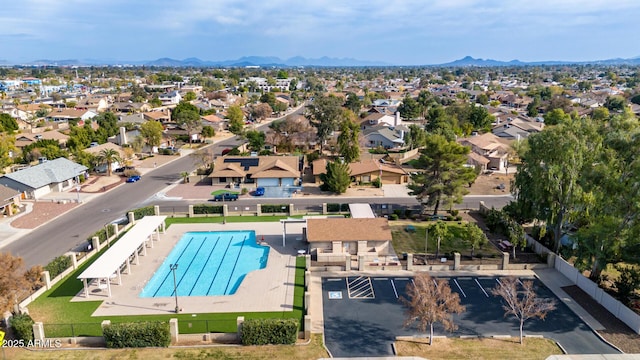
point(120, 255)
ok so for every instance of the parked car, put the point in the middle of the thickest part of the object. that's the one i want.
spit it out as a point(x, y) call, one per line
point(226, 197)
point(259, 191)
point(133, 178)
point(437, 217)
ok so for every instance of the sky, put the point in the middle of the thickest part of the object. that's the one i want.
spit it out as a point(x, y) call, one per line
point(397, 32)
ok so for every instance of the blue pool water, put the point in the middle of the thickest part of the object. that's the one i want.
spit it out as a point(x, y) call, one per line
point(209, 264)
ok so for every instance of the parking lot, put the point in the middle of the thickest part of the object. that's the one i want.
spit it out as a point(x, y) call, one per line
point(362, 316)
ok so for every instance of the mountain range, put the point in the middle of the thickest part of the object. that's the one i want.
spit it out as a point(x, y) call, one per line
point(298, 61)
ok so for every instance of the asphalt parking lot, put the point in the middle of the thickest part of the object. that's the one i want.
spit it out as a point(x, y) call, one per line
point(362, 316)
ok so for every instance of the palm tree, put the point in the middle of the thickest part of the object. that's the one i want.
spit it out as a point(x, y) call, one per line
point(185, 176)
point(109, 156)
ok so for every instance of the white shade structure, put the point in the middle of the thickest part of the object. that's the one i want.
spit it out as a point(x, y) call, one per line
point(119, 254)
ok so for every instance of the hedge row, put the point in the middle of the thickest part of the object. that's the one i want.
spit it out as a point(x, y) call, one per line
point(141, 334)
point(207, 209)
point(277, 208)
point(269, 331)
point(337, 207)
point(58, 265)
point(142, 212)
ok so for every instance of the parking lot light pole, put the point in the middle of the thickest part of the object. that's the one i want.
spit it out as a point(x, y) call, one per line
point(173, 268)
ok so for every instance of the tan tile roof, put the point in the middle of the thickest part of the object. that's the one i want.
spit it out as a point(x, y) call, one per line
point(33, 107)
point(96, 149)
point(278, 168)
point(319, 166)
point(348, 229)
point(70, 113)
point(486, 141)
point(212, 118)
point(363, 167)
point(228, 170)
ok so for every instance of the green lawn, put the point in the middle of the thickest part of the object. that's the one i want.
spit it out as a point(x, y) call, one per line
point(413, 242)
point(63, 318)
point(220, 192)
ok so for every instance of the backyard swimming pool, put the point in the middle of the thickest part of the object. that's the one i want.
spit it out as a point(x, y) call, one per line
point(209, 264)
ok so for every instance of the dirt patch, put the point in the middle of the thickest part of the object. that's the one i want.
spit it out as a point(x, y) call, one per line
point(41, 213)
point(616, 332)
point(101, 183)
point(488, 184)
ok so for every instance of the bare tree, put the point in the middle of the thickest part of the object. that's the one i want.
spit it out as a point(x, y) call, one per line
point(431, 301)
point(524, 304)
point(15, 282)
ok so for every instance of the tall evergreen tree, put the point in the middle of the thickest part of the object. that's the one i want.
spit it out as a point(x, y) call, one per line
point(337, 178)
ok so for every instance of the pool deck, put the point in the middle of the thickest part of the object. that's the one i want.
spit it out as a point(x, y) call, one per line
point(268, 289)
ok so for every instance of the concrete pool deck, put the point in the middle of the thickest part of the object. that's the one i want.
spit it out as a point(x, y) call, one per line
point(264, 290)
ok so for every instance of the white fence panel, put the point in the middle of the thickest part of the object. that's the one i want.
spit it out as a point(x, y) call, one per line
point(587, 285)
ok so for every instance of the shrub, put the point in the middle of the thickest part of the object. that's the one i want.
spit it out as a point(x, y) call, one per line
point(454, 212)
point(244, 191)
point(458, 218)
point(141, 334)
point(58, 265)
point(397, 212)
point(142, 212)
point(408, 213)
point(22, 326)
point(269, 331)
point(311, 157)
point(627, 282)
point(449, 218)
point(234, 151)
point(393, 217)
point(265, 152)
point(278, 208)
point(207, 209)
point(130, 172)
point(377, 183)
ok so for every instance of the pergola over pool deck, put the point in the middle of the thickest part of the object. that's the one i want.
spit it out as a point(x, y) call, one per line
point(120, 253)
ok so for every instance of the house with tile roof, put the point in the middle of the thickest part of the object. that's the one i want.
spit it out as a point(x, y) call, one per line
point(385, 137)
point(9, 198)
point(336, 239)
point(259, 170)
point(366, 171)
point(28, 138)
point(50, 176)
point(69, 114)
point(489, 146)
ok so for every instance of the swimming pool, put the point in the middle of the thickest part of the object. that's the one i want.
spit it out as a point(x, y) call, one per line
point(209, 264)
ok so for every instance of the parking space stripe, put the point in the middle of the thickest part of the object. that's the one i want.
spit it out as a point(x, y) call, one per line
point(394, 289)
point(462, 291)
point(520, 282)
point(380, 278)
point(435, 282)
point(405, 279)
point(481, 288)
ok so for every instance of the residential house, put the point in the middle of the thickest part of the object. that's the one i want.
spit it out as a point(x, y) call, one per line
point(490, 147)
point(9, 199)
point(335, 239)
point(97, 104)
point(385, 137)
point(96, 150)
point(130, 107)
point(162, 116)
point(366, 171)
point(132, 118)
point(262, 170)
point(24, 139)
point(65, 115)
point(50, 176)
point(218, 123)
point(27, 112)
point(170, 98)
point(377, 118)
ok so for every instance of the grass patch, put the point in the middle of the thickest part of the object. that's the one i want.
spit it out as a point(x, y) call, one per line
point(413, 242)
point(220, 192)
point(63, 318)
point(314, 350)
point(454, 348)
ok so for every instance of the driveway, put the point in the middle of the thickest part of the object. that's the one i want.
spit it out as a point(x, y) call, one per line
point(396, 190)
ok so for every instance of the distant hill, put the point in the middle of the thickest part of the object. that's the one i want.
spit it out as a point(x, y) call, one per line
point(470, 61)
point(266, 61)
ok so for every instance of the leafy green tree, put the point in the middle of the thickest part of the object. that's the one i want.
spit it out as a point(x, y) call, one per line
point(480, 118)
point(440, 231)
point(208, 131)
point(155, 102)
point(48, 148)
point(7, 123)
point(482, 99)
point(236, 117)
point(282, 74)
point(549, 180)
point(108, 157)
point(269, 98)
point(337, 178)
point(190, 122)
point(7, 149)
point(532, 108)
point(555, 117)
point(445, 174)
point(416, 136)
point(183, 106)
point(256, 139)
point(348, 139)
point(475, 237)
point(353, 103)
point(325, 113)
point(410, 108)
point(615, 103)
point(600, 114)
point(151, 132)
point(85, 158)
point(190, 96)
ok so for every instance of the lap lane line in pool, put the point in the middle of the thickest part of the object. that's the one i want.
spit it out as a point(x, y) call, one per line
point(234, 265)
point(193, 257)
point(213, 279)
point(205, 265)
point(169, 272)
